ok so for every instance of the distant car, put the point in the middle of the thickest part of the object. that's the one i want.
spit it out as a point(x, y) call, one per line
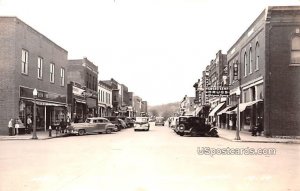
point(128, 120)
point(92, 125)
point(159, 121)
point(141, 123)
point(174, 121)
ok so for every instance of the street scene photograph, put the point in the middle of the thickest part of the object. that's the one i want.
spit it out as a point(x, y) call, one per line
point(149, 95)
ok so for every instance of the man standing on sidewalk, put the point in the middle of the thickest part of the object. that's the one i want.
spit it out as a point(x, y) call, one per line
point(10, 127)
point(29, 123)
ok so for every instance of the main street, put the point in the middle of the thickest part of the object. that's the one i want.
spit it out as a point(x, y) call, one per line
point(144, 161)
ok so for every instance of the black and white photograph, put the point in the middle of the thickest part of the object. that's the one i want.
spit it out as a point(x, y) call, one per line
point(149, 95)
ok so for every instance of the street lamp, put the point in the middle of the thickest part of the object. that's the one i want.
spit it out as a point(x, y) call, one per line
point(238, 93)
point(34, 114)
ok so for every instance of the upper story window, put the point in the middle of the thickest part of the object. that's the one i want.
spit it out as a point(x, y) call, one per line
point(52, 72)
point(250, 60)
point(245, 64)
point(257, 56)
point(40, 68)
point(62, 76)
point(24, 61)
point(295, 51)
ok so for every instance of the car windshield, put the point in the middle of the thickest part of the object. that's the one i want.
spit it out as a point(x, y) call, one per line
point(141, 119)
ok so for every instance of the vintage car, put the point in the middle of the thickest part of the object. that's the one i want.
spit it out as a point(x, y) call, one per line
point(159, 121)
point(92, 125)
point(195, 126)
point(141, 123)
point(117, 122)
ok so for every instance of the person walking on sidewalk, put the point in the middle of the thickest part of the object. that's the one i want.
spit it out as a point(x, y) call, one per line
point(63, 126)
point(10, 127)
point(29, 124)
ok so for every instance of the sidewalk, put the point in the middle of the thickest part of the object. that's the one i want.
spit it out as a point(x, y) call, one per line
point(247, 137)
point(42, 135)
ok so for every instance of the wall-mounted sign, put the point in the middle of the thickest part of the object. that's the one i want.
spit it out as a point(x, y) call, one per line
point(217, 91)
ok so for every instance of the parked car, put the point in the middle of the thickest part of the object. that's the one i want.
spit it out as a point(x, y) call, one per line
point(115, 120)
point(123, 123)
point(141, 123)
point(92, 125)
point(159, 121)
point(195, 126)
point(128, 120)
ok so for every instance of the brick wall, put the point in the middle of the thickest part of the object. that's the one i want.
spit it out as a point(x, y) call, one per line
point(15, 35)
point(284, 86)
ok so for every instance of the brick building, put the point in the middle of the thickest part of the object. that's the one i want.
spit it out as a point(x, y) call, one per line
point(83, 75)
point(29, 60)
point(104, 99)
point(267, 56)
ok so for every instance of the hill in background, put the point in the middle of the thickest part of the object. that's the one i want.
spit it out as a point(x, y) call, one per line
point(165, 110)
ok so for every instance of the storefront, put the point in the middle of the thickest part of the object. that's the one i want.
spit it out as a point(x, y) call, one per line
point(51, 108)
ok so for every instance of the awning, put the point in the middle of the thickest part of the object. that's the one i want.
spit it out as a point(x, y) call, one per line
point(198, 109)
point(243, 106)
point(49, 104)
point(212, 113)
point(226, 109)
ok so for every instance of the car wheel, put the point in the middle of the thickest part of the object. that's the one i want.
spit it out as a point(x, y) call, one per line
point(148, 129)
point(108, 131)
point(81, 132)
point(181, 134)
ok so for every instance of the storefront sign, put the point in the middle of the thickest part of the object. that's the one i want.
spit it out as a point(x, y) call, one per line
point(235, 71)
point(217, 91)
point(42, 95)
point(78, 91)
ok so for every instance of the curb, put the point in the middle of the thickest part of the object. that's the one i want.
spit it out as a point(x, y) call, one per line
point(262, 141)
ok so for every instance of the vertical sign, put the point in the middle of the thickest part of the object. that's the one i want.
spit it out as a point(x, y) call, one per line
point(235, 71)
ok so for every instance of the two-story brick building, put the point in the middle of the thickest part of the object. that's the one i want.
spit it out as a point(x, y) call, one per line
point(267, 60)
point(30, 60)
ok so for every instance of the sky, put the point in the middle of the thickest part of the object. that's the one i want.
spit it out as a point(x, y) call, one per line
point(157, 48)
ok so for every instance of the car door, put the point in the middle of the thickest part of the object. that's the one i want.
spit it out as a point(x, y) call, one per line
point(101, 125)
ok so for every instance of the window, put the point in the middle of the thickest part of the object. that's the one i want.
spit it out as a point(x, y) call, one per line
point(245, 64)
point(295, 51)
point(24, 62)
point(62, 76)
point(256, 56)
point(40, 68)
point(52, 73)
point(250, 60)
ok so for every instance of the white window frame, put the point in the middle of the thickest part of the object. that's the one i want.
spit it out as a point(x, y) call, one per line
point(257, 56)
point(250, 60)
point(40, 68)
point(294, 50)
point(24, 69)
point(52, 72)
point(62, 77)
point(245, 64)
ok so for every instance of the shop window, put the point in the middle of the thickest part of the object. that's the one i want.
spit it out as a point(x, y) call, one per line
point(295, 51)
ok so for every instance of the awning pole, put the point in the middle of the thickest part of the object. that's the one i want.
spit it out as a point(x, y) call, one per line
point(45, 119)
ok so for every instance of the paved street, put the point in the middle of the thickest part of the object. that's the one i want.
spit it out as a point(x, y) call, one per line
point(144, 161)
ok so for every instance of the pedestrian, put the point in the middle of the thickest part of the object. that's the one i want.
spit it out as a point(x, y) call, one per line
point(50, 131)
point(17, 126)
point(63, 126)
point(29, 125)
point(10, 127)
